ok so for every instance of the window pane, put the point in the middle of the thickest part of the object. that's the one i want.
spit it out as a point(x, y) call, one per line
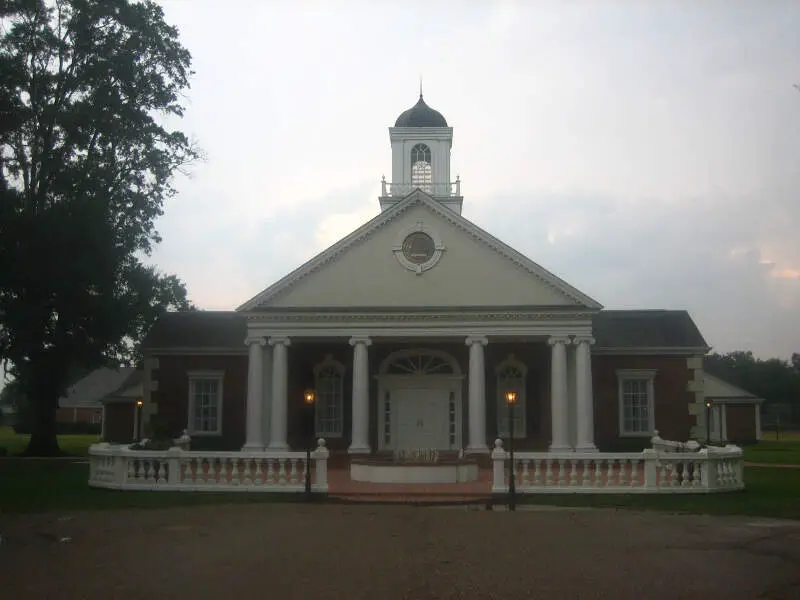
point(635, 406)
point(205, 403)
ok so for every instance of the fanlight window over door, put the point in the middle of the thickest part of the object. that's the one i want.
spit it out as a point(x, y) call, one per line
point(421, 170)
point(420, 363)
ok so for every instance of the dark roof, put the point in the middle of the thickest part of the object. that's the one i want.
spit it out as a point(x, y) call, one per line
point(646, 329)
point(89, 391)
point(198, 329)
point(421, 115)
point(612, 329)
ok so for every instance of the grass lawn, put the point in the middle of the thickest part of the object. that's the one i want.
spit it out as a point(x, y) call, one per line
point(15, 443)
point(780, 453)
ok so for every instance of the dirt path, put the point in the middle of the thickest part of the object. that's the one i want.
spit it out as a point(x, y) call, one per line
point(320, 552)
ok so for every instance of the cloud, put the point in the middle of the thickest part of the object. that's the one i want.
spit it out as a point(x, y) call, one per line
point(645, 153)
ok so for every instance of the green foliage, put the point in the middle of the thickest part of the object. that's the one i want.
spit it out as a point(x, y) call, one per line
point(775, 380)
point(86, 163)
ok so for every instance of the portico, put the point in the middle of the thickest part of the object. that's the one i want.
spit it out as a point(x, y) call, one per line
point(419, 395)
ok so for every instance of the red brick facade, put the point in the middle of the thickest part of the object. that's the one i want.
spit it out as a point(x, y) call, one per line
point(79, 415)
point(741, 423)
point(671, 397)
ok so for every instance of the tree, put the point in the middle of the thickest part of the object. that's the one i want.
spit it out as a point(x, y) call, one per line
point(87, 88)
point(774, 379)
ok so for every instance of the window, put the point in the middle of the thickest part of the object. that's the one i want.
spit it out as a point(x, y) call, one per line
point(420, 362)
point(329, 378)
point(205, 403)
point(421, 171)
point(96, 418)
point(511, 377)
point(636, 417)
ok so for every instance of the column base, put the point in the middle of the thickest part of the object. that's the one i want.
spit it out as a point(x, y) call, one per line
point(476, 450)
point(253, 448)
point(279, 446)
point(586, 448)
point(560, 448)
point(359, 450)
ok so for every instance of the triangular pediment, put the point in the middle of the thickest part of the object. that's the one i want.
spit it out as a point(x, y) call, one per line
point(464, 267)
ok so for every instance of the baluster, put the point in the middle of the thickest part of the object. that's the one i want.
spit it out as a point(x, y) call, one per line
point(270, 472)
point(598, 472)
point(549, 473)
point(634, 472)
point(686, 474)
point(573, 473)
point(586, 479)
point(131, 469)
point(623, 471)
point(259, 479)
point(282, 471)
point(248, 470)
point(235, 472)
point(162, 471)
point(293, 476)
point(526, 475)
point(696, 473)
point(537, 471)
point(223, 471)
point(674, 474)
point(610, 479)
point(562, 471)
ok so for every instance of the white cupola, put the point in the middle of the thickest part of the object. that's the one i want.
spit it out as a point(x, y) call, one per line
point(421, 142)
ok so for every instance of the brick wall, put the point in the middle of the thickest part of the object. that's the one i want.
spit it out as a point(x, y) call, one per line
point(671, 398)
point(79, 415)
point(741, 423)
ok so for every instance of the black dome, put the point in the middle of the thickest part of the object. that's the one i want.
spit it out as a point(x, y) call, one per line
point(420, 115)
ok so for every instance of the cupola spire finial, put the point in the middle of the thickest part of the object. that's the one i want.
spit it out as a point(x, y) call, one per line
point(420, 86)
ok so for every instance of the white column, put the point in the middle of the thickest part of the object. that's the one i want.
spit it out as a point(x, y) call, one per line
point(558, 394)
point(477, 396)
point(584, 397)
point(267, 395)
point(280, 387)
point(359, 442)
point(254, 441)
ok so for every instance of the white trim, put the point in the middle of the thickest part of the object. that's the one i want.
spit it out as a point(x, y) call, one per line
point(501, 410)
point(330, 362)
point(189, 351)
point(439, 248)
point(418, 197)
point(647, 375)
point(650, 351)
point(213, 375)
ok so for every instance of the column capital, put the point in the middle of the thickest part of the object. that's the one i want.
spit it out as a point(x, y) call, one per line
point(583, 339)
point(280, 341)
point(360, 339)
point(255, 340)
point(558, 339)
point(476, 339)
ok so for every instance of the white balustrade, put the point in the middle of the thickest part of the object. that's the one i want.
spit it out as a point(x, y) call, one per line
point(649, 471)
point(434, 189)
point(119, 467)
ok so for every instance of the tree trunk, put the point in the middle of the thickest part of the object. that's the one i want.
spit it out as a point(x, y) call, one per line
point(44, 441)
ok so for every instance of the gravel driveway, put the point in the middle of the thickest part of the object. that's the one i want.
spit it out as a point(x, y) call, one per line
point(292, 551)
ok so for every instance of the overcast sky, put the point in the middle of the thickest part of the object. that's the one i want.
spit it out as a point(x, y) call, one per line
point(646, 152)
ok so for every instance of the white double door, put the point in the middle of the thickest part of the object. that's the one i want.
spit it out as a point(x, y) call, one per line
point(421, 418)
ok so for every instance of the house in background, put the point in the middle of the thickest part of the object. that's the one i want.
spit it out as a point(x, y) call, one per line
point(735, 413)
point(412, 330)
point(121, 411)
point(86, 401)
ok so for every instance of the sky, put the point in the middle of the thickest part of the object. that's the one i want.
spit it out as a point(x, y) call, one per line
point(645, 152)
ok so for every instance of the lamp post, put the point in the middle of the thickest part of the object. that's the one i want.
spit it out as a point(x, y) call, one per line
point(139, 405)
point(511, 399)
point(708, 421)
point(308, 402)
